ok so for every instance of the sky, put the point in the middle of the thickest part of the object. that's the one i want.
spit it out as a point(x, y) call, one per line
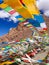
point(6, 22)
point(43, 5)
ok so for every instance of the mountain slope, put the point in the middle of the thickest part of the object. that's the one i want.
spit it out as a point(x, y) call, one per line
point(21, 32)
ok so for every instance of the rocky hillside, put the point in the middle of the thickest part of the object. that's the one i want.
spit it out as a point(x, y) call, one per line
point(18, 33)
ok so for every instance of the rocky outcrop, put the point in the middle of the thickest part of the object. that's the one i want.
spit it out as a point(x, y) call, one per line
point(21, 32)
